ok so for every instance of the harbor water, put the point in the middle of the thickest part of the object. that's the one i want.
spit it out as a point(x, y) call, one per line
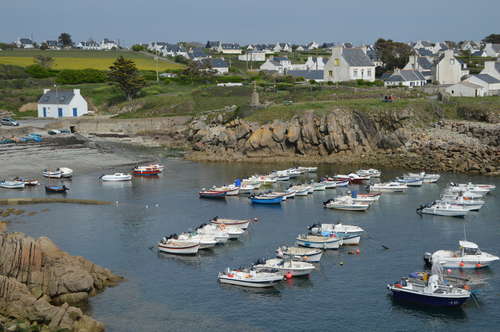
point(347, 292)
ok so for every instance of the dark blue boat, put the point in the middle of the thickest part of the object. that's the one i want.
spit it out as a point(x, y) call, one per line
point(56, 189)
point(266, 199)
point(432, 293)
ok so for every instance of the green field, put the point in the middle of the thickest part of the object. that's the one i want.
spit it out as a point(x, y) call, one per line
point(81, 59)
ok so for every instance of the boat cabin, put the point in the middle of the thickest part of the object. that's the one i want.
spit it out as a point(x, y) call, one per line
point(469, 248)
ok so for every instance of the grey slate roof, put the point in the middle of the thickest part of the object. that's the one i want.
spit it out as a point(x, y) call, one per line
point(61, 97)
point(423, 52)
point(495, 47)
point(497, 66)
point(25, 41)
point(218, 63)
point(405, 76)
point(356, 57)
point(424, 63)
point(212, 43)
point(307, 74)
point(198, 53)
point(230, 46)
point(487, 78)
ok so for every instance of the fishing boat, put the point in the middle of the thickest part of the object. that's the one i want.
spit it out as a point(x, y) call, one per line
point(300, 190)
point(353, 178)
point(431, 178)
point(285, 266)
point(468, 256)
point(27, 182)
point(308, 169)
point(219, 194)
point(368, 198)
point(215, 231)
point(116, 177)
point(317, 241)
point(339, 229)
point(172, 245)
point(246, 189)
point(206, 241)
point(55, 174)
point(393, 187)
point(250, 278)
point(411, 182)
point(469, 204)
point(241, 223)
point(372, 173)
point(433, 291)
point(12, 184)
point(346, 203)
point(266, 199)
point(442, 209)
point(159, 167)
point(66, 172)
point(146, 171)
point(231, 189)
point(318, 186)
point(56, 189)
point(303, 254)
point(234, 232)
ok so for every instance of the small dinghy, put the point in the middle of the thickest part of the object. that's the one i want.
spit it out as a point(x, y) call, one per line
point(55, 174)
point(392, 187)
point(220, 194)
point(300, 190)
point(350, 235)
point(172, 245)
point(206, 241)
point(346, 203)
point(241, 223)
point(317, 241)
point(28, 182)
point(310, 255)
point(250, 278)
point(431, 178)
point(116, 177)
point(12, 184)
point(215, 231)
point(66, 172)
point(266, 199)
point(442, 209)
point(310, 169)
point(146, 171)
point(56, 189)
point(468, 256)
point(433, 292)
point(285, 266)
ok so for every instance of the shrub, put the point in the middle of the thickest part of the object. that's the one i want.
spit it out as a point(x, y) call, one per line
point(37, 71)
point(230, 79)
point(78, 76)
point(8, 72)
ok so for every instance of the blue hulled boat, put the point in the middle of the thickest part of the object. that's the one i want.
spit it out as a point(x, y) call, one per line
point(266, 199)
point(56, 189)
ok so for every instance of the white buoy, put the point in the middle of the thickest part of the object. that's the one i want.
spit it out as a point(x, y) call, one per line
point(147, 206)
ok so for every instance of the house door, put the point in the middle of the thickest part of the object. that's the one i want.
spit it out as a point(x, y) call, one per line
point(59, 112)
point(75, 112)
point(44, 112)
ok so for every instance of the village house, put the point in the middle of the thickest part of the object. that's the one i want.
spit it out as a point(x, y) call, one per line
point(465, 89)
point(198, 54)
point(423, 44)
point(24, 43)
point(408, 78)
point(488, 82)
point(470, 45)
point(252, 56)
point(300, 48)
point(420, 64)
point(53, 44)
point(447, 69)
point(315, 63)
point(308, 75)
point(279, 64)
point(347, 64)
point(107, 44)
point(492, 50)
point(267, 49)
point(312, 46)
point(219, 65)
point(492, 68)
point(61, 103)
point(88, 45)
point(480, 53)
point(212, 45)
point(229, 48)
point(282, 47)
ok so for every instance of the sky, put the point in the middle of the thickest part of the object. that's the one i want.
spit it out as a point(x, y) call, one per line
point(250, 21)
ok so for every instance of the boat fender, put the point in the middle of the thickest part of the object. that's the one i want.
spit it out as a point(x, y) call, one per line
point(461, 264)
point(478, 265)
point(398, 285)
point(288, 275)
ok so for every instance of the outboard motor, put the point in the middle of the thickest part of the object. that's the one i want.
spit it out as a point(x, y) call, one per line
point(428, 259)
point(326, 202)
point(215, 218)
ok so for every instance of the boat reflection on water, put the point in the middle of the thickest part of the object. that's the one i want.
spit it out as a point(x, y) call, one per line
point(116, 184)
point(302, 282)
point(443, 313)
point(194, 260)
point(252, 292)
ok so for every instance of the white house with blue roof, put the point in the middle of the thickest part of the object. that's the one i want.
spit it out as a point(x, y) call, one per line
point(348, 64)
point(61, 103)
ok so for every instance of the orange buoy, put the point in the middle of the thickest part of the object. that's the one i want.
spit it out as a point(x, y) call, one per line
point(466, 287)
point(358, 251)
point(461, 264)
point(288, 275)
point(478, 265)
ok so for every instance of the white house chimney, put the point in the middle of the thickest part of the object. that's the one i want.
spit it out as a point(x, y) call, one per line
point(489, 66)
point(364, 49)
point(45, 91)
point(76, 92)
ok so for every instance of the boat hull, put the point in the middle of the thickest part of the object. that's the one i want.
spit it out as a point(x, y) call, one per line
point(275, 200)
point(187, 250)
point(435, 301)
point(335, 244)
point(248, 283)
point(309, 258)
point(444, 213)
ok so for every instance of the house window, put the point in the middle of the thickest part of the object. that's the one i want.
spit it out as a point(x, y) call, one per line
point(355, 73)
point(75, 111)
point(45, 112)
point(337, 62)
point(60, 112)
point(369, 73)
point(330, 73)
point(362, 73)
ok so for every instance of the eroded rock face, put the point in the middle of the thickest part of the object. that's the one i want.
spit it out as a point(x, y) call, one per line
point(17, 302)
point(47, 270)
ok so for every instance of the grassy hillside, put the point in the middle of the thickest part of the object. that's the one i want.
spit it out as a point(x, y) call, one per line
point(81, 59)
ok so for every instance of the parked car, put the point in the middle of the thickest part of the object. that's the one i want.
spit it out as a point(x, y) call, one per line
point(9, 122)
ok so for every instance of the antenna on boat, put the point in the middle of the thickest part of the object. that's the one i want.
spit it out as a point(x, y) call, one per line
point(465, 234)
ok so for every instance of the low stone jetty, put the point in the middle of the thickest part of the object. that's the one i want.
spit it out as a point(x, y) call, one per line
point(26, 201)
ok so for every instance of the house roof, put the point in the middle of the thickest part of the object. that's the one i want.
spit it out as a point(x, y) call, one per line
point(212, 43)
point(487, 78)
point(198, 53)
point(372, 54)
point(230, 46)
point(218, 63)
point(405, 76)
point(426, 43)
point(497, 66)
point(424, 63)
point(496, 47)
point(423, 52)
point(307, 74)
point(61, 97)
point(469, 85)
point(478, 53)
point(280, 58)
point(25, 41)
point(52, 43)
point(356, 57)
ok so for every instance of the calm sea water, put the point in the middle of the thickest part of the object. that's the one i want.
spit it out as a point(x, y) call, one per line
point(168, 293)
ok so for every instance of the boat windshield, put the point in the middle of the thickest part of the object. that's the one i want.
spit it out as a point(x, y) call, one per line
point(471, 251)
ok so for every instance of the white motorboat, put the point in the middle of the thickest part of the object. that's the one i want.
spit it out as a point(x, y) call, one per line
point(116, 177)
point(308, 169)
point(300, 190)
point(246, 189)
point(318, 186)
point(329, 184)
point(464, 194)
point(250, 278)
point(411, 182)
point(346, 203)
point(338, 228)
point(468, 256)
point(369, 198)
point(316, 241)
point(172, 245)
point(66, 172)
point(431, 178)
point(303, 254)
point(475, 189)
point(56, 174)
point(443, 209)
point(12, 184)
point(234, 232)
point(359, 199)
point(310, 189)
point(372, 173)
point(285, 266)
point(470, 204)
point(388, 187)
point(206, 241)
point(241, 223)
point(214, 231)
point(294, 172)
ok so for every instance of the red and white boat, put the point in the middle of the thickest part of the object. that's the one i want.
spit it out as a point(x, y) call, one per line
point(212, 193)
point(159, 167)
point(146, 171)
point(172, 245)
point(353, 178)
